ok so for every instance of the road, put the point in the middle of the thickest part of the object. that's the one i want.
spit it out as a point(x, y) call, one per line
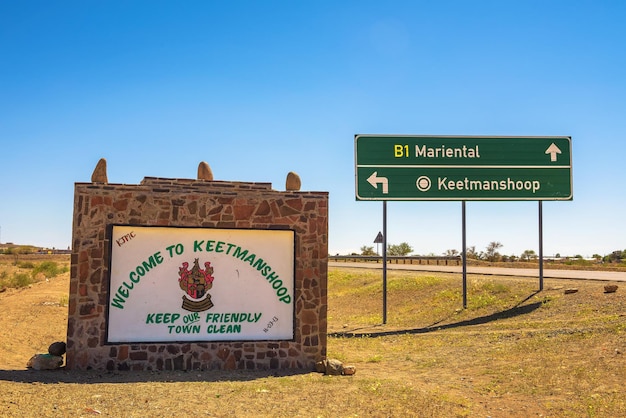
point(613, 276)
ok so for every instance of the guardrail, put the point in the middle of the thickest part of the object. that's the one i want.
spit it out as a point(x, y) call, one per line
point(414, 259)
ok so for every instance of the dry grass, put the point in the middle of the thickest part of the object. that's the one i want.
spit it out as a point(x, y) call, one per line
point(512, 352)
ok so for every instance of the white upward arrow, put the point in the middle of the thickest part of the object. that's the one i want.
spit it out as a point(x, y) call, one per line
point(553, 150)
point(374, 180)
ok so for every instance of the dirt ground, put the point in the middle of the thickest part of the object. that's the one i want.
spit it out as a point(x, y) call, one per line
point(34, 317)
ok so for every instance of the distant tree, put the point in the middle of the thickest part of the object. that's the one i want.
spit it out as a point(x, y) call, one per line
point(615, 256)
point(401, 249)
point(367, 250)
point(528, 255)
point(451, 253)
point(597, 257)
point(471, 252)
point(491, 253)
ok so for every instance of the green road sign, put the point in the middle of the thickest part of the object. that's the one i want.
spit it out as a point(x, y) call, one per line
point(462, 168)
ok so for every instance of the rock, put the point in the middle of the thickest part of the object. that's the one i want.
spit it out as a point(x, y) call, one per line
point(205, 172)
point(334, 367)
point(570, 290)
point(45, 362)
point(610, 288)
point(349, 370)
point(99, 174)
point(57, 349)
point(293, 182)
point(330, 367)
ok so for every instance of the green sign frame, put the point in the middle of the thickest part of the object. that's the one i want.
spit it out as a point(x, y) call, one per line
point(403, 167)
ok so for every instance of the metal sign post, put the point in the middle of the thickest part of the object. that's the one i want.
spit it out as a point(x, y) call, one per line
point(384, 262)
point(464, 251)
point(540, 245)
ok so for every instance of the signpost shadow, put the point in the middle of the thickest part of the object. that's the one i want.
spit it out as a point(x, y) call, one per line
point(517, 310)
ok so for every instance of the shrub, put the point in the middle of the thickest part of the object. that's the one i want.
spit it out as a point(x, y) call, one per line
point(21, 280)
point(49, 269)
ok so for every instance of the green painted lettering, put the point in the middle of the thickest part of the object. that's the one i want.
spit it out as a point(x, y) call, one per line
point(239, 253)
point(123, 292)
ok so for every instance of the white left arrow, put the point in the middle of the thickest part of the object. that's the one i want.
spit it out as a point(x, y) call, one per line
point(553, 150)
point(374, 180)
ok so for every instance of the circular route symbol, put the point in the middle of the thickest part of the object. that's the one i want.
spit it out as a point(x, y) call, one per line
point(423, 184)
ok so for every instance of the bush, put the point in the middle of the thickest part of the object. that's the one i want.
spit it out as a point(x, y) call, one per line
point(49, 269)
point(21, 280)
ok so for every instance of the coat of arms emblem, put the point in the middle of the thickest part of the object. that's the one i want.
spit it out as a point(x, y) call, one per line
point(196, 283)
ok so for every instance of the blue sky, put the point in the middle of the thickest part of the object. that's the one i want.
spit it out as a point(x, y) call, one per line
point(261, 88)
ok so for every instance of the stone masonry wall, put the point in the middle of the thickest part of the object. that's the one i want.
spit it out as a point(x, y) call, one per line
point(195, 203)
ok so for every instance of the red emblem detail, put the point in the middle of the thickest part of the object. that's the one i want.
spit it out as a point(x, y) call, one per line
point(195, 282)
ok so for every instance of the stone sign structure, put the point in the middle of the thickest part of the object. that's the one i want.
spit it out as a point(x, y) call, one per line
point(299, 220)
